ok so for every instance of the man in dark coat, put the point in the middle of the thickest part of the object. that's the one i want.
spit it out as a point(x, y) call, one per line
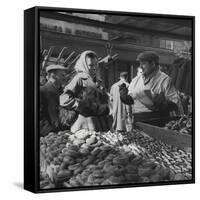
point(49, 99)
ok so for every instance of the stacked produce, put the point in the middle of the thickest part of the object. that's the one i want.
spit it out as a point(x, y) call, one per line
point(169, 156)
point(183, 125)
point(91, 158)
point(186, 101)
point(45, 182)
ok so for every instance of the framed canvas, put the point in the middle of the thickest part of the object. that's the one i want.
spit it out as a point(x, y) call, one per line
point(108, 99)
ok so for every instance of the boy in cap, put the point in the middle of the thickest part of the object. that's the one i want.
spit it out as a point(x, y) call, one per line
point(151, 93)
point(49, 99)
point(120, 112)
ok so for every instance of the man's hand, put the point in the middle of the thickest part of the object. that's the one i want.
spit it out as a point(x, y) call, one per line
point(123, 89)
point(125, 98)
point(159, 98)
point(161, 104)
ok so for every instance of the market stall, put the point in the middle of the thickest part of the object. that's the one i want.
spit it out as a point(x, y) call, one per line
point(105, 158)
point(156, 150)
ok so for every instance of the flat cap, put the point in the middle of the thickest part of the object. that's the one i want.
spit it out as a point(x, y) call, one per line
point(123, 74)
point(148, 56)
point(54, 67)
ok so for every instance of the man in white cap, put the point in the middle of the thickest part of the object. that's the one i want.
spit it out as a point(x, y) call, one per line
point(49, 99)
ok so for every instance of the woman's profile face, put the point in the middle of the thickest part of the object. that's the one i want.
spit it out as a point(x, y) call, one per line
point(92, 64)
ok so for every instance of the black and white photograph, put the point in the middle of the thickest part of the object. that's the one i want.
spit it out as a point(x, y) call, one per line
point(115, 99)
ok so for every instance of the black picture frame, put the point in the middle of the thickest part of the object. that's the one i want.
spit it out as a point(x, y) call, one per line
point(31, 97)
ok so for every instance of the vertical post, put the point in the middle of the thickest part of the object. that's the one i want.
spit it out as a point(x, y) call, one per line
point(131, 71)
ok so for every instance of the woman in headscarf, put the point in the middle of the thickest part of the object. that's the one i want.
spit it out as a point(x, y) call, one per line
point(83, 96)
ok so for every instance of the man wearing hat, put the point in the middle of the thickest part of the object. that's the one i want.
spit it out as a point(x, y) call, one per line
point(120, 112)
point(151, 93)
point(49, 99)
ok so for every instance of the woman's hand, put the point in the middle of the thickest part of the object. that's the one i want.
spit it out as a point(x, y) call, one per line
point(103, 110)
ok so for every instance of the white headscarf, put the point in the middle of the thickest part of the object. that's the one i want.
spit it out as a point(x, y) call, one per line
point(81, 65)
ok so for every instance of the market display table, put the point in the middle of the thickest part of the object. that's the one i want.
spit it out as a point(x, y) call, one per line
point(105, 158)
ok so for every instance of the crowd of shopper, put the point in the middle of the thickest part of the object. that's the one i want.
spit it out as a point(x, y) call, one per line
point(83, 102)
